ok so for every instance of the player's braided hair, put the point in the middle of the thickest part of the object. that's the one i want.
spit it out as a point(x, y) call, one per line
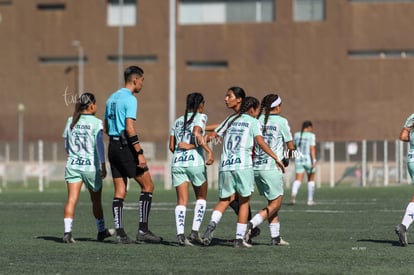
point(266, 106)
point(247, 103)
point(193, 102)
point(82, 104)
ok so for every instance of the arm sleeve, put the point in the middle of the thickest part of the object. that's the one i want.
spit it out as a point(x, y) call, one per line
point(100, 147)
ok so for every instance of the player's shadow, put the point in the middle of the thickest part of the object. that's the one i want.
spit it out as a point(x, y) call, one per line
point(59, 239)
point(391, 242)
point(107, 241)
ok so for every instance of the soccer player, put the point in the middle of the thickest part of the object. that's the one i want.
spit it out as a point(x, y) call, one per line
point(305, 143)
point(233, 100)
point(85, 164)
point(236, 174)
point(268, 175)
point(127, 157)
point(406, 135)
point(187, 165)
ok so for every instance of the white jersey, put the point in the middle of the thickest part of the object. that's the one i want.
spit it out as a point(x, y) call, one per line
point(409, 123)
point(193, 157)
point(277, 133)
point(238, 142)
point(303, 143)
point(81, 143)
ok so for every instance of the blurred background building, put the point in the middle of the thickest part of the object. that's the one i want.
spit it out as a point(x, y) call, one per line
point(346, 65)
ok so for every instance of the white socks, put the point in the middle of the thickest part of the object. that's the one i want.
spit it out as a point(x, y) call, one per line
point(241, 230)
point(199, 210)
point(408, 215)
point(274, 229)
point(180, 218)
point(216, 216)
point(311, 190)
point(295, 188)
point(256, 220)
point(68, 224)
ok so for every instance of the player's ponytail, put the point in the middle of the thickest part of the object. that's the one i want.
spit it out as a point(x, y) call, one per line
point(82, 104)
point(266, 104)
point(192, 103)
point(305, 125)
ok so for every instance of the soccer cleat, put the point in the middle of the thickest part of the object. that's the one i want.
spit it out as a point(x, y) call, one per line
point(248, 235)
point(105, 234)
point(67, 238)
point(310, 203)
point(148, 237)
point(182, 240)
point(208, 234)
point(240, 243)
point(123, 239)
point(194, 237)
point(293, 200)
point(401, 232)
point(278, 241)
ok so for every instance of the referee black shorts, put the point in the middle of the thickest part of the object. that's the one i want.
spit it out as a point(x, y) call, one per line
point(123, 160)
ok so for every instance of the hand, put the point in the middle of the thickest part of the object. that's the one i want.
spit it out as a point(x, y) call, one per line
point(280, 164)
point(186, 146)
point(285, 162)
point(210, 158)
point(142, 162)
point(103, 170)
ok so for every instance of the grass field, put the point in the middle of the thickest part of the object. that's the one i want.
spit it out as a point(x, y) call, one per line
point(349, 231)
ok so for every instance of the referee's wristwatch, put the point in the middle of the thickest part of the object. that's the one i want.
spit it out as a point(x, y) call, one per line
point(140, 152)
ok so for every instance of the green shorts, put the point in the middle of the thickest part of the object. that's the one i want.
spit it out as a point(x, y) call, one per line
point(240, 181)
point(196, 175)
point(304, 167)
point(410, 166)
point(269, 183)
point(92, 180)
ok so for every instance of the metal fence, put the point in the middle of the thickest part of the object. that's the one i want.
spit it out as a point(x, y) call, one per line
point(357, 163)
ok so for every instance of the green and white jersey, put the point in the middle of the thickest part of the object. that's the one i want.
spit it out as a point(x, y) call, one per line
point(409, 123)
point(303, 142)
point(277, 133)
point(81, 143)
point(238, 142)
point(193, 157)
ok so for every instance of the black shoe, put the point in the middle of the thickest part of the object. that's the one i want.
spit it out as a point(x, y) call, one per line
point(123, 240)
point(240, 243)
point(208, 234)
point(249, 233)
point(401, 232)
point(182, 240)
point(105, 234)
point(194, 237)
point(278, 241)
point(67, 238)
point(148, 237)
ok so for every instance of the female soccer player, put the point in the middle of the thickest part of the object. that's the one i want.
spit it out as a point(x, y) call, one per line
point(236, 174)
point(188, 165)
point(305, 142)
point(268, 176)
point(406, 135)
point(85, 164)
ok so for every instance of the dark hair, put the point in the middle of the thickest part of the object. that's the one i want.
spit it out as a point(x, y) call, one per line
point(131, 71)
point(237, 91)
point(266, 106)
point(82, 103)
point(247, 103)
point(305, 125)
point(193, 102)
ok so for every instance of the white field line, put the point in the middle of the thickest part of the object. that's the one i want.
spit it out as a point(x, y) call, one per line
point(256, 206)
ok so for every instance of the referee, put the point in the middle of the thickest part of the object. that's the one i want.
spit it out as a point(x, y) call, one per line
point(127, 157)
